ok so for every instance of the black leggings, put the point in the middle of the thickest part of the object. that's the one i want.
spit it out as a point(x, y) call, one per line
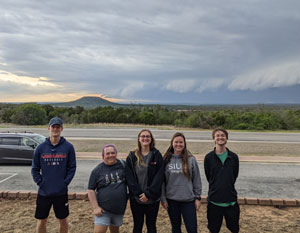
point(139, 211)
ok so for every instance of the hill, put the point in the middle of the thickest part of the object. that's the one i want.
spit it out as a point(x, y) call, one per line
point(90, 102)
point(87, 102)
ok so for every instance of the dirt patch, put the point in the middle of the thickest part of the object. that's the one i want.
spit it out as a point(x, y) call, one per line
point(17, 217)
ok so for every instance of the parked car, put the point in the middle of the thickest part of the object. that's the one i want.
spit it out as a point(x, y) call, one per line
point(18, 148)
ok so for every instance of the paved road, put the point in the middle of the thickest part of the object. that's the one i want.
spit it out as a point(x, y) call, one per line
point(255, 180)
point(131, 133)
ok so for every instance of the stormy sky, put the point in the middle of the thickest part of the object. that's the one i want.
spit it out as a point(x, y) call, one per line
point(176, 52)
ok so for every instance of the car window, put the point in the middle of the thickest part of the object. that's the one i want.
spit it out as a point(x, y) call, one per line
point(27, 142)
point(39, 138)
point(10, 141)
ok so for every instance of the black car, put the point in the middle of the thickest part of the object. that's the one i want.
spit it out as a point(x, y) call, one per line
point(18, 148)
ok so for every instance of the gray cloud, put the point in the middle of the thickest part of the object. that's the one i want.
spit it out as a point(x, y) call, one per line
point(127, 49)
point(281, 75)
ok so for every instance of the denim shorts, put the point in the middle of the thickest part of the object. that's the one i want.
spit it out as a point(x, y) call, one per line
point(107, 219)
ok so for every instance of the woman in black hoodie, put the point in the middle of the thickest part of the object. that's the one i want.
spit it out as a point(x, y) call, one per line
point(144, 175)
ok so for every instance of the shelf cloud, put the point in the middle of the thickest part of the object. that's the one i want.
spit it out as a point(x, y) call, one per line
point(153, 51)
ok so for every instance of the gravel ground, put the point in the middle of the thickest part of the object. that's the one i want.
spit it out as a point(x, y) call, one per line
point(17, 217)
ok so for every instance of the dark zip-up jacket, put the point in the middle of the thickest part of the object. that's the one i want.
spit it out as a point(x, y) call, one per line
point(221, 178)
point(53, 167)
point(155, 175)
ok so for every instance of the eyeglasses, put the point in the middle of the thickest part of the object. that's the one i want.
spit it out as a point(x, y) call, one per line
point(145, 136)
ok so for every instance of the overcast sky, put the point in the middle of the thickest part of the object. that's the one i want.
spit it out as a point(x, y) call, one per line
point(171, 51)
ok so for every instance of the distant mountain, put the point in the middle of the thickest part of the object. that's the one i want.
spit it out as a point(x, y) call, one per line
point(88, 102)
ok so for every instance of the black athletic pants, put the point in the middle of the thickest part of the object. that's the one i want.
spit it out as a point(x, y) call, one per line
point(215, 216)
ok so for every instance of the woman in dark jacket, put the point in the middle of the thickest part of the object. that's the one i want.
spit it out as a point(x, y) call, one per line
point(144, 174)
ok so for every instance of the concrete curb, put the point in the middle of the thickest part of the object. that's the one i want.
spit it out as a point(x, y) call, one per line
point(276, 202)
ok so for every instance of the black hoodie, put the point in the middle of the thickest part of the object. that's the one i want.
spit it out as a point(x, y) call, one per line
point(155, 176)
point(221, 178)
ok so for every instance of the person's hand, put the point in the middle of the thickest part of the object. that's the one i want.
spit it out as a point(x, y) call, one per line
point(197, 204)
point(143, 198)
point(165, 205)
point(98, 211)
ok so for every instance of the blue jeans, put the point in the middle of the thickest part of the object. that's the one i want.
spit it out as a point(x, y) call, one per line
point(188, 212)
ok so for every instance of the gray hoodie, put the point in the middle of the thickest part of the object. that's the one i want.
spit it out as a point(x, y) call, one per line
point(177, 186)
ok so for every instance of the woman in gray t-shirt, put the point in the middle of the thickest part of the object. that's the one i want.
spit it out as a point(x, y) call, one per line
point(107, 191)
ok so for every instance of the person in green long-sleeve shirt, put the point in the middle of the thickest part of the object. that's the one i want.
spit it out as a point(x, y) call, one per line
point(221, 169)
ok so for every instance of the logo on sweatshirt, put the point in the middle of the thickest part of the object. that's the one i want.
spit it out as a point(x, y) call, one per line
point(53, 156)
point(53, 159)
point(175, 168)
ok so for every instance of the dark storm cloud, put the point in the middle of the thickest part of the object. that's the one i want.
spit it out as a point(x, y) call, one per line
point(132, 49)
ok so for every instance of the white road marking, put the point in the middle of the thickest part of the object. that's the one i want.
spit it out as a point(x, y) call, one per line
point(11, 175)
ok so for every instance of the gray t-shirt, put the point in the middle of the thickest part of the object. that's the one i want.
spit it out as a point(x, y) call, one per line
point(142, 175)
point(110, 186)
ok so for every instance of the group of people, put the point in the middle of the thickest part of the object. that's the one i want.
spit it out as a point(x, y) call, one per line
point(147, 178)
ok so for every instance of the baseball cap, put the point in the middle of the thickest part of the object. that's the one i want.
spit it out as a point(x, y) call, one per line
point(55, 121)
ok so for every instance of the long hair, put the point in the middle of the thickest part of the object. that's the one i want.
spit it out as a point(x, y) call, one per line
point(184, 155)
point(138, 150)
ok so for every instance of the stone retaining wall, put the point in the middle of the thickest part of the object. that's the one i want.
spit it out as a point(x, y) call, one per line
point(83, 196)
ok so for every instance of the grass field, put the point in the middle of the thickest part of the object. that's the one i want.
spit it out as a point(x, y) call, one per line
point(241, 148)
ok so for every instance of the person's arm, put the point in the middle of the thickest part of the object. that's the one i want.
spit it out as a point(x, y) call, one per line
point(163, 198)
point(163, 193)
point(196, 179)
point(71, 165)
point(131, 180)
point(153, 191)
point(92, 185)
point(198, 204)
point(207, 168)
point(94, 203)
point(236, 168)
point(36, 167)
point(197, 185)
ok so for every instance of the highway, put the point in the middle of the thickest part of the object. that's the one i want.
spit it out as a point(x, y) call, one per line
point(127, 133)
point(276, 180)
point(261, 180)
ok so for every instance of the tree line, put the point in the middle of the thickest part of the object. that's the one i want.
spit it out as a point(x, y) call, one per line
point(258, 118)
